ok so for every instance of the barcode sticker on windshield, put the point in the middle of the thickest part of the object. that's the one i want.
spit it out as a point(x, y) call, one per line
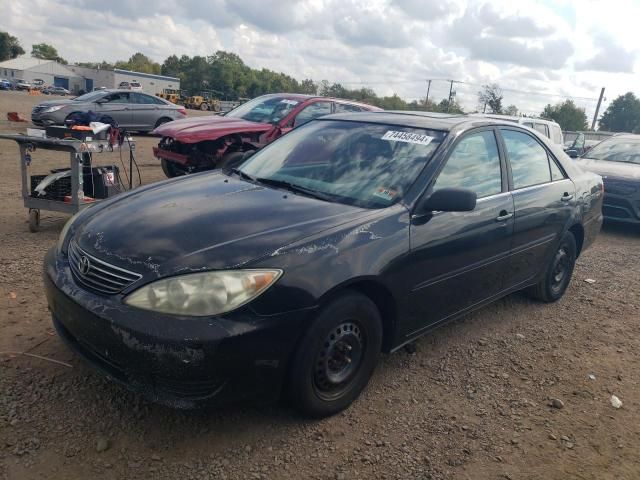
point(407, 137)
point(289, 102)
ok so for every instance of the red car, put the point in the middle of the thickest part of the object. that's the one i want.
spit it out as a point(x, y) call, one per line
point(204, 143)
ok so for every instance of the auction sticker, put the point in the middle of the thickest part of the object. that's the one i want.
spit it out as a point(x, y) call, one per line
point(385, 193)
point(407, 137)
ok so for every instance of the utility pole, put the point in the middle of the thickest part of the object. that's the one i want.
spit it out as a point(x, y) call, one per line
point(450, 95)
point(595, 117)
point(428, 88)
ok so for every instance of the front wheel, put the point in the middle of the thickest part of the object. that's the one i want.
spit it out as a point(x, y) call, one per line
point(558, 273)
point(336, 357)
point(173, 169)
point(204, 106)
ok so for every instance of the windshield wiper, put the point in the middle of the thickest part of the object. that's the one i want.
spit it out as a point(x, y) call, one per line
point(242, 174)
point(295, 188)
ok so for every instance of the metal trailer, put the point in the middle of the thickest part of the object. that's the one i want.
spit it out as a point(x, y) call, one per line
point(77, 151)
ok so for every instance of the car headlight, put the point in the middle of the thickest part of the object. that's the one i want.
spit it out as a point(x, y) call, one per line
point(204, 293)
point(53, 109)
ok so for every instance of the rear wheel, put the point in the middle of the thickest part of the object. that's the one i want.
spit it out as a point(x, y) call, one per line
point(173, 169)
point(558, 273)
point(161, 121)
point(204, 106)
point(336, 357)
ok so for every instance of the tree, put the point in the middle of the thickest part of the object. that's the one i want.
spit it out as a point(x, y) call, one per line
point(9, 47)
point(570, 117)
point(139, 62)
point(446, 107)
point(491, 96)
point(623, 115)
point(511, 110)
point(46, 52)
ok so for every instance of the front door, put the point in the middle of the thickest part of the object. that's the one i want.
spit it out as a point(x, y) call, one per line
point(543, 199)
point(117, 106)
point(458, 259)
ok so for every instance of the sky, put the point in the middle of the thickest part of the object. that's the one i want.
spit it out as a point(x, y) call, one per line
point(538, 51)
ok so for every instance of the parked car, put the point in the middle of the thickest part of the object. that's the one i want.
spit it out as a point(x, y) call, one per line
point(579, 146)
point(131, 110)
point(204, 143)
point(548, 128)
point(353, 234)
point(134, 85)
point(20, 84)
point(5, 84)
point(53, 90)
point(617, 159)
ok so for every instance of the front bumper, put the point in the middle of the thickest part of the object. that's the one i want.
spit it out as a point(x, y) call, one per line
point(621, 208)
point(182, 363)
point(45, 120)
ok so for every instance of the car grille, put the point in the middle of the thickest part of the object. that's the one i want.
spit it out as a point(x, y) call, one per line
point(37, 110)
point(97, 275)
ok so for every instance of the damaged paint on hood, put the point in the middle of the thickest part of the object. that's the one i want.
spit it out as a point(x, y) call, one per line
point(198, 129)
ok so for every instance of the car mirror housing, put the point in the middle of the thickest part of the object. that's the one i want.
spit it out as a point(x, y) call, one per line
point(572, 153)
point(448, 200)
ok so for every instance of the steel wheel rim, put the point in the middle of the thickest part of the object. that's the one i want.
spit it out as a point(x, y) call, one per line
point(560, 268)
point(338, 360)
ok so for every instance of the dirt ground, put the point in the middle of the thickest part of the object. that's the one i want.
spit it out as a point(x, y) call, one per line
point(473, 402)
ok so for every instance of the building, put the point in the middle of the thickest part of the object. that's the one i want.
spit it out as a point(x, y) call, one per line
point(81, 79)
point(98, 78)
point(49, 71)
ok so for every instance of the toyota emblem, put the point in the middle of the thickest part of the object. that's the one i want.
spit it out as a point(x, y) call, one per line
point(84, 265)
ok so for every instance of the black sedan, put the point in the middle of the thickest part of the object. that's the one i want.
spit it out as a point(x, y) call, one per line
point(617, 159)
point(351, 235)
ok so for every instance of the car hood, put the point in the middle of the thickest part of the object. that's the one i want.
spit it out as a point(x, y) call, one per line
point(211, 127)
point(201, 222)
point(51, 103)
point(605, 168)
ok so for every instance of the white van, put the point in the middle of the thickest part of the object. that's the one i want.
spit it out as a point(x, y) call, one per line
point(549, 128)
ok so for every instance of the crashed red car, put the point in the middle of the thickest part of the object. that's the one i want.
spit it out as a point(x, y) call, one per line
point(204, 143)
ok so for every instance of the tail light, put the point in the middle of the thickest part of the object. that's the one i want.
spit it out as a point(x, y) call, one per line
point(182, 111)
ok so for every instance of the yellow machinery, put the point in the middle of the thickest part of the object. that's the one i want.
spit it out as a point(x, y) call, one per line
point(203, 101)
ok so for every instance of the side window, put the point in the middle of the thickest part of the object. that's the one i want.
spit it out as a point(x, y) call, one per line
point(556, 173)
point(142, 99)
point(543, 129)
point(118, 98)
point(315, 110)
point(528, 159)
point(346, 108)
point(474, 164)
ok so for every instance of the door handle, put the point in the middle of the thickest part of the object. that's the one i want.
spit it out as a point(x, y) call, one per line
point(504, 215)
point(566, 197)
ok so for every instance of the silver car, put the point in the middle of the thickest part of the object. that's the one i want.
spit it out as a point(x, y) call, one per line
point(131, 110)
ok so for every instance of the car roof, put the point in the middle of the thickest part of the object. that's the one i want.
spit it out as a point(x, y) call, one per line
point(419, 119)
point(302, 97)
point(514, 118)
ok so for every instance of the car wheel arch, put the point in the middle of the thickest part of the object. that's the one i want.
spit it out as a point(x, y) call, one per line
point(577, 230)
point(382, 298)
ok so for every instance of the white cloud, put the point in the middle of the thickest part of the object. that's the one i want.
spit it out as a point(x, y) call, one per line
point(393, 46)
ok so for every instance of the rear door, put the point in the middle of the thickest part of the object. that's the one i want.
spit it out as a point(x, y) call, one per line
point(459, 259)
point(544, 199)
point(145, 110)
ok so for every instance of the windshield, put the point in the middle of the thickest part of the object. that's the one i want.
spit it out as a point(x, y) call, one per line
point(89, 97)
point(362, 164)
point(265, 109)
point(625, 150)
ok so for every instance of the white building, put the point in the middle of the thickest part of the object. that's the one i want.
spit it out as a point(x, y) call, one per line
point(49, 71)
point(81, 79)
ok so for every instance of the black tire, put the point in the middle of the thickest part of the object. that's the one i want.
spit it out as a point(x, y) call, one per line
point(172, 169)
point(558, 273)
point(161, 121)
point(336, 357)
point(204, 106)
point(34, 220)
point(231, 160)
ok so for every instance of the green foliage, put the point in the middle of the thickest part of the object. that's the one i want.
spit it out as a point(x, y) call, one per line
point(9, 47)
point(491, 97)
point(511, 110)
point(570, 117)
point(46, 52)
point(623, 115)
point(139, 62)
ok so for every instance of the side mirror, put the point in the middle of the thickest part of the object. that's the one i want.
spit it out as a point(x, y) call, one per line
point(102, 100)
point(247, 154)
point(449, 200)
point(573, 153)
